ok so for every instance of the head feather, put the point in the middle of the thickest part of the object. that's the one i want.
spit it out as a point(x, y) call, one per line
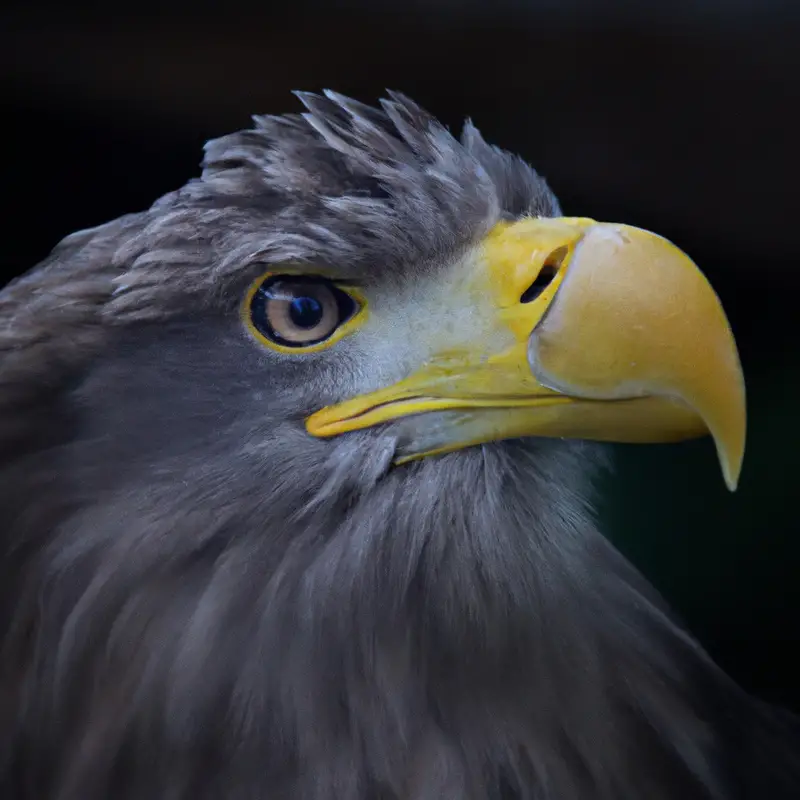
point(343, 184)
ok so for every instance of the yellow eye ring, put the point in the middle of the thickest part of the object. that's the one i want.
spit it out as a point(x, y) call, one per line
point(299, 313)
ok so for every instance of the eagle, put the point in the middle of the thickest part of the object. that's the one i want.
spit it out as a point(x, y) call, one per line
point(297, 476)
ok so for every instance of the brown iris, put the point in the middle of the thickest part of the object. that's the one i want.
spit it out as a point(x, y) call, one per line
point(299, 311)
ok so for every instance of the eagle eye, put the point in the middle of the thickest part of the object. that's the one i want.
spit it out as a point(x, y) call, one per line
point(298, 311)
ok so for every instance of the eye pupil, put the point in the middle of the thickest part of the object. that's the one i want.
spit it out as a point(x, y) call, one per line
point(306, 312)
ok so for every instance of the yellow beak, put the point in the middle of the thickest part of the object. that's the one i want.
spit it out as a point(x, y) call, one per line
point(625, 341)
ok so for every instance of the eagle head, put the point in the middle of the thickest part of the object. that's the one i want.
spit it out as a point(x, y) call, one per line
point(295, 481)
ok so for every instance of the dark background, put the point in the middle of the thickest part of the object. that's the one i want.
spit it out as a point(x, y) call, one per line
point(675, 116)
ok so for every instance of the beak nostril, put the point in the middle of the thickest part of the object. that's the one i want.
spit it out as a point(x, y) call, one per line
point(546, 274)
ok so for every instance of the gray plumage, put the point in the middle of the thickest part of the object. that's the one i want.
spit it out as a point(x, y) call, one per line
point(199, 600)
